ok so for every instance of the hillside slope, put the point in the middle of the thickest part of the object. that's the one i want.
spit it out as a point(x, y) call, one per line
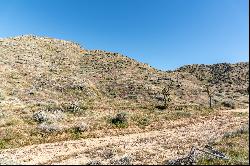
point(39, 70)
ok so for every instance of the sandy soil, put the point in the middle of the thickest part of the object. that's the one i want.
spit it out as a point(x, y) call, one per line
point(142, 148)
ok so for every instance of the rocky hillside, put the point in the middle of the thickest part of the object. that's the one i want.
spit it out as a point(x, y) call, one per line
point(38, 71)
point(230, 81)
point(221, 73)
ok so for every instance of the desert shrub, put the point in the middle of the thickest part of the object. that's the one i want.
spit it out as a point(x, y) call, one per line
point(228, 103)
point(49, 128)
point(120, 120)
point(94, 162)
point(238, 132)
point(40, 116)
point(161, 107)
point(75, 108)
point(75, 134)
point(81, 127)
point(125, 160)
point(56, 115)
point(2, 144)
point(44, 116)
point(109, 153)
point(143, 121)
point(77, 130)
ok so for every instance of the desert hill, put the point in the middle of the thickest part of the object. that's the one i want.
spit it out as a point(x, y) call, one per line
point(54, 90)
point(40, 70)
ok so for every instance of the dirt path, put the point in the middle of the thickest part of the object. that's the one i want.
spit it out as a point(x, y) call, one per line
point(143, 148)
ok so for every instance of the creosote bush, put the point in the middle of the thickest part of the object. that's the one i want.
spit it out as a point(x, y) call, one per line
point(120, 120)
point(229, 104)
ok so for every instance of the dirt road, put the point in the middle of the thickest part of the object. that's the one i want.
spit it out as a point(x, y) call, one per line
point(142, 148)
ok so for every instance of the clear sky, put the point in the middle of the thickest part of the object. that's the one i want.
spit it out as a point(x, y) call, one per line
point(166, 34)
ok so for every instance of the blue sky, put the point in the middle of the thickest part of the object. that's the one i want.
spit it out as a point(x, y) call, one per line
point(166, 34)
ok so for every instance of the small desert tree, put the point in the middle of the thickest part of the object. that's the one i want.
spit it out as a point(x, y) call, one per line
point(209, 88)
point(210, 92)
point(166, 93)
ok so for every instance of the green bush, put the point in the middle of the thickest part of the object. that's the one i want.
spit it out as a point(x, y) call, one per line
point(76, 134)
point(3, 144)
point(120, 120)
